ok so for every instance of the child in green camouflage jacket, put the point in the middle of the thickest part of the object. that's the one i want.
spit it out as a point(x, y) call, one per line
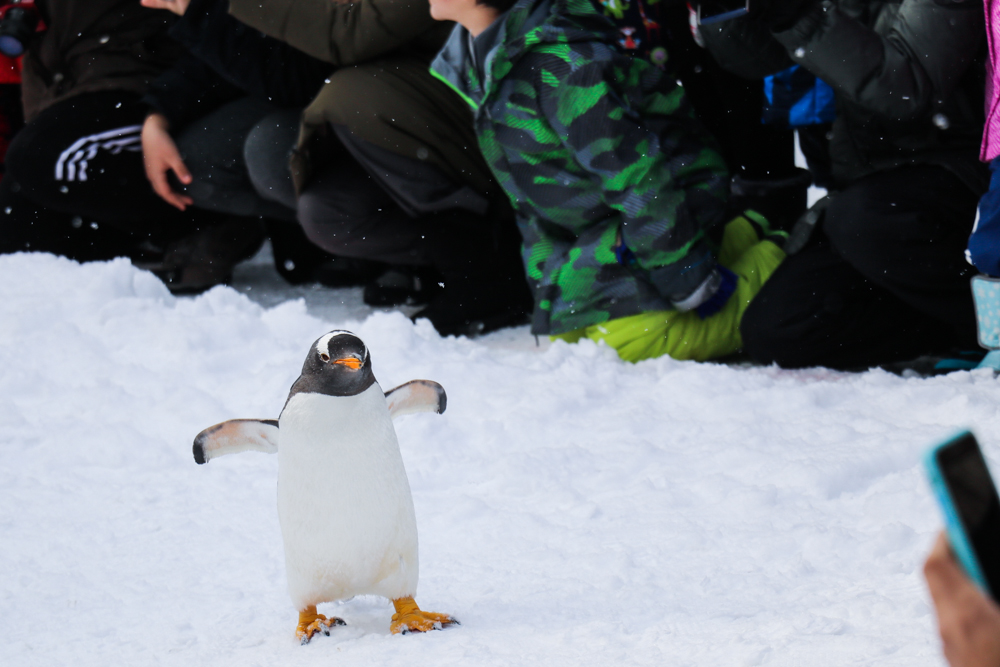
point(619, 191)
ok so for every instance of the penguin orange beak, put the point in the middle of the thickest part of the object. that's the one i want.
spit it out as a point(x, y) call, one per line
point(351, 362)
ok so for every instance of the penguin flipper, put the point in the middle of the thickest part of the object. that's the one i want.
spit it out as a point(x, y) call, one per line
point(235, 436)
point(416, 396)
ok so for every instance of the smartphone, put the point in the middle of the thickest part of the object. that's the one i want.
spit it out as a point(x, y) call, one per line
point(963, 486)
point(716, 11)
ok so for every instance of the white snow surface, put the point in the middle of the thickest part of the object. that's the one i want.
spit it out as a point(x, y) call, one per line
point(572, 509)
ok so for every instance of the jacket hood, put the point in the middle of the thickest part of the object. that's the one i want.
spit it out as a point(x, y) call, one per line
point(527, 26)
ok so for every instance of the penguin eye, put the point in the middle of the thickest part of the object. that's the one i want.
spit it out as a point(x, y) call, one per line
point(324, 356)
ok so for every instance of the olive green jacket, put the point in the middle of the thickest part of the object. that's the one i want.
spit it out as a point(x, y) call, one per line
point(382, 91)
point(908, 77)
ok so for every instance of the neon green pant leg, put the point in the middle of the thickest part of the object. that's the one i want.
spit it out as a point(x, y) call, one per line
point(686, 336)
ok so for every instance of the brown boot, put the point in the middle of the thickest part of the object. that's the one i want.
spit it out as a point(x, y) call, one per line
point(206, 258)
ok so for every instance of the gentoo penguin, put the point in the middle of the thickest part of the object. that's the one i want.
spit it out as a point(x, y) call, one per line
point(344, 501)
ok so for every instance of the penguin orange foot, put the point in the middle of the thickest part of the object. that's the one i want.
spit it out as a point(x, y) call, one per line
point(409, 618)
point(311, 623)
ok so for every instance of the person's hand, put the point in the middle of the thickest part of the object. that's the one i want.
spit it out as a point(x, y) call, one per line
point(160, 155)
point(969, 622)
point(176, 6)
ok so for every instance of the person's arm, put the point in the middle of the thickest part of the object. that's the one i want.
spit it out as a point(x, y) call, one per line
point(745, 47)
point(189, 90)
point(255, 63)
point(900, 74)
point(969, 622)
point(338, 32)
point(185, 92)
point(656, 163)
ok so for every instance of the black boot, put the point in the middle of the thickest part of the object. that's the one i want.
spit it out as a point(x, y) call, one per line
point(299, 261)
point(472, 306)
point(207, 257)
point(403, 286)
point(483, 288)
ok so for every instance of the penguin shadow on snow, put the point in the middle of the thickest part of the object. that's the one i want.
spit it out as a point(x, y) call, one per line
point(344, 502)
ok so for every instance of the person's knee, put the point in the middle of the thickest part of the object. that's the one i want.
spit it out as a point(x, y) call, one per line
point(331, 223)
point(266, 152)
point(767, 341)
point(865, 220)
point(846, 223)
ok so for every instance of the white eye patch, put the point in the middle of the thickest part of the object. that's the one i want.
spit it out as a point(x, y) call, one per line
point(323, 344)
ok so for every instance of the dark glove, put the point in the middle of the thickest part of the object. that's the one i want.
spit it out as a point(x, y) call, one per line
point(780, 15)
point(727, 287)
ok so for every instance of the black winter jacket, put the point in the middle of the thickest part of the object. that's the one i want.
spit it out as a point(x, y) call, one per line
point(95, 45)
point(908, 76)
point(227, 59)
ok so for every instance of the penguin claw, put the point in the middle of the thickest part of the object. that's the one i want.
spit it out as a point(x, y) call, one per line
point(420, 621)
point(409, 618)
point(311, 624)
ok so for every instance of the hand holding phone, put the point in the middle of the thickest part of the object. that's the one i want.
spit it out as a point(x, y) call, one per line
point(968, 621)
point(962, 484)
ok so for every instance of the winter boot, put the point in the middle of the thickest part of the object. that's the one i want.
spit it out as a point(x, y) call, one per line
point(207, 257)
point(472, 306)
point(403, 285)
point(482, 276)
point(986, 297)
point(299, 261)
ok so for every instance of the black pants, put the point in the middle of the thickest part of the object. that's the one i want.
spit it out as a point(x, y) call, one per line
point(368, 203)
point(213, 149)
point(266, 153)
point(884, 279)
point(83, 158)
point(350, 212)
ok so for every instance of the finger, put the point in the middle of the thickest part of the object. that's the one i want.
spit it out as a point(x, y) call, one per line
point(158, 179)
point(169, 5)
point(172, 198)
point(180, 169)
point(945, 578)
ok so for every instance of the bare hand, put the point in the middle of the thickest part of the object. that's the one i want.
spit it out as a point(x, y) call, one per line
point(176, 6)
point(969, 622)
point(160, 155)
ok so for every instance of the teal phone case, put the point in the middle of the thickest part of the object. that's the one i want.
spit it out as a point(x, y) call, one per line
point(957, 536)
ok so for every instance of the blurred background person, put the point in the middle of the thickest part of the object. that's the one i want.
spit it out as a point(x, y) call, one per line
point(384, 166)
point(883, 279)
point(201, 112)
point(74, 181)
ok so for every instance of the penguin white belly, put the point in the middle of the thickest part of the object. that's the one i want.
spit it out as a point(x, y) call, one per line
point(344, 500)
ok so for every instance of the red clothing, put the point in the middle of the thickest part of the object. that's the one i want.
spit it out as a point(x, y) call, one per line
point(10, 70)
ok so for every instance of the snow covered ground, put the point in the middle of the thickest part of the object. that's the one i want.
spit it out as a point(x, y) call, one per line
point(573, 509)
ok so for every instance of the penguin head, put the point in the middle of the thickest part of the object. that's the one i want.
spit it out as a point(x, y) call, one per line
point(338, 364)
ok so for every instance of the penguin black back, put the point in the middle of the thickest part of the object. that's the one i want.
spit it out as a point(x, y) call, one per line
point(338, 364)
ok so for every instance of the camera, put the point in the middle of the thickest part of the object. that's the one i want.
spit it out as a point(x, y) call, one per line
point(19, 20)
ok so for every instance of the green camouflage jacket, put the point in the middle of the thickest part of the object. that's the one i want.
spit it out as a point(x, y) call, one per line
point(614, 181)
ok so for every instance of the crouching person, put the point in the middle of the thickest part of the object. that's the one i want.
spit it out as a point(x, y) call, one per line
point(620, 194)
point(74, 183)
point(386, 166)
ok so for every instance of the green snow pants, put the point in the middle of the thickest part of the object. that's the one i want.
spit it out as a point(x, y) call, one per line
point(686, 336)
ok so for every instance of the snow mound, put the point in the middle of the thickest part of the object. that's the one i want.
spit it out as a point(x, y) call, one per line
point(573, 509)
